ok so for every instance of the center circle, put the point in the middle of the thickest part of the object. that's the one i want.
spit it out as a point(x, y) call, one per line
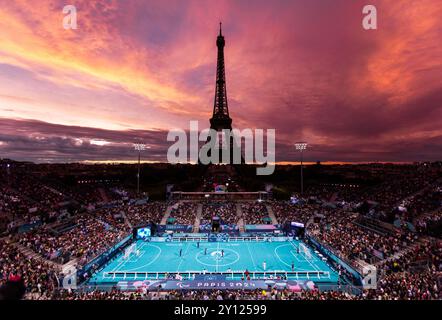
point(217, 255)
point(230, 257)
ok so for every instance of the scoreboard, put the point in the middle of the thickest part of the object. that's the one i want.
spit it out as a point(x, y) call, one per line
point(143, 232)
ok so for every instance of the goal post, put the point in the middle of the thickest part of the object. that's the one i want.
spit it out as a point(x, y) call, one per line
point(129, 250)
point(304, 250)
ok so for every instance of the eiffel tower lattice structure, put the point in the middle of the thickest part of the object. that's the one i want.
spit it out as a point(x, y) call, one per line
point(221, 121)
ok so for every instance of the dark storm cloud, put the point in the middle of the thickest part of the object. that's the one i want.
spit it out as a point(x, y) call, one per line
point(39, 141)
point(44, 142)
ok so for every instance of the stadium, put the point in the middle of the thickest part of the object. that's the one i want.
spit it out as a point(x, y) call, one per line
point(64, 238)
point(340, 200)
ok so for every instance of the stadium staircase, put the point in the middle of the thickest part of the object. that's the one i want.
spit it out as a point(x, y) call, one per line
point(271, 214)
point(240, 218)
point(167, 213)
point(427, 214)
point(126, 219)
point(309, 221)
point(70, 265)
point(54, 191)
point(420, 192)
point(199, 213)
point(374, 225)
point(398, 255)
point(23, 196)
point(28, 253)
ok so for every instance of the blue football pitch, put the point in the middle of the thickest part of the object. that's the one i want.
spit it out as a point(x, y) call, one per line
point(154, 259)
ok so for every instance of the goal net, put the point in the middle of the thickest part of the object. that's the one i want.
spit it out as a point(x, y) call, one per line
point(130, 250)
point(305, 251)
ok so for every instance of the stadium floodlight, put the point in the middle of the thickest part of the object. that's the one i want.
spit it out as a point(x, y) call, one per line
point(139, 147)
point(301, 146)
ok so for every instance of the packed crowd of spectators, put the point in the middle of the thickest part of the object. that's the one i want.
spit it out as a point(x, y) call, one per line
point(407, 286)
point(113, 216)
point(113, 294)
point(352, 241)
point(327, 192)
point(258, 294)
point(428, 222)
point(285, 211)
point(12, 204)
point(427, 201)
point(184, 213)
point(87, 239)
point(16, 207)
point(39, 277)
point(152, 211)
point(254, 212)
point(416, 275)
point(226, 211)
point(391, 193)
point(232, 294)
point(220, 295)
point(25, 185)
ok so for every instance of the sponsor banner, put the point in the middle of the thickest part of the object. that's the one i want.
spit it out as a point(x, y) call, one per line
point(218, 237)
point(261, 227)
point(297, 224)
point(210, 277)
point(295, 286)
point(158, 239)
point(334, 257)
point(174, 228)
point(100, 259)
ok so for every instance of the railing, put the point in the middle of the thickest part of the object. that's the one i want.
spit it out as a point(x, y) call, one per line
point(227, 239)
point(376, 225)
point(259, 239)
point(355, 270)
point(240, 196)
point(190, 275)
point(189, 239)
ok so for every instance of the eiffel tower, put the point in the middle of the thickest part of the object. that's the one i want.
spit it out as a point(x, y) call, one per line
point(221, 120)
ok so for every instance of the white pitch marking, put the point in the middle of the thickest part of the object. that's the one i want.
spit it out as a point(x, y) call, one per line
point(182, 257)
point(313, 265)
point(253, 260)
point(152, 261)
point(279, 258)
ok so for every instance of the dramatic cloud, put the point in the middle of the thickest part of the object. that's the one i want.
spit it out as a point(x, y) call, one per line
point(135, 69)
point(38, 141)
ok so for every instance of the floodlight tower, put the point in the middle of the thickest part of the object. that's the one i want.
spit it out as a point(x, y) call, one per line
point(139, 147)
point(301, 146)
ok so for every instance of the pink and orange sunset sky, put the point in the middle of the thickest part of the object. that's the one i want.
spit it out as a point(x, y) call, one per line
point(135, 69)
